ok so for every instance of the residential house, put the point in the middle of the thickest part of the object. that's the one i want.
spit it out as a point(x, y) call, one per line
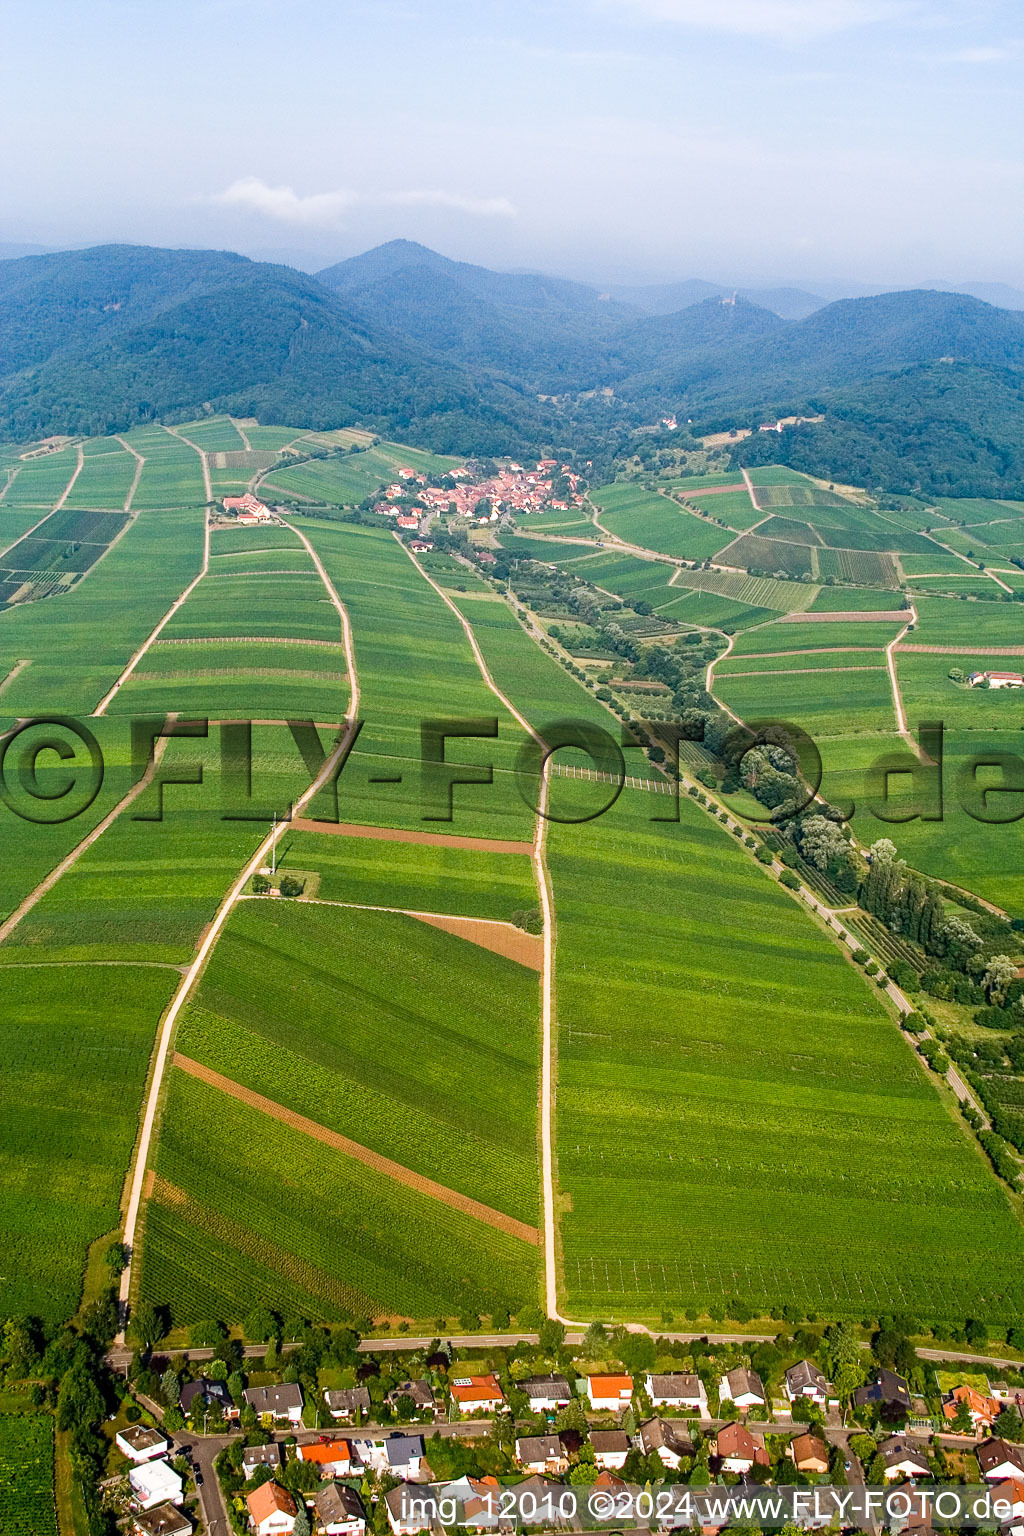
point(346, 1402)
point(737, 1450)
point(610, 1392)
point(419, 1392)
point(665, 1439)
point(272, 1510)
point(743, 1388)
point(983, 1410)
point(421, 546)
point(198, 1397)
point(155, 1482)
point(479, 1500)
point(140, 1443)
point(611, 1447)
point(283, 1400)
point(1000, 1461)
point(546, 1393)
point(911, 1514)
point(478, 1394)
point(680, 1390)
point(887, 1390)
point(541, 1453)
point(163, 1520)
point(261, 1456)
point(339, 1511)
point(333, 1457)
point(541, 1497)
point(808, 1453)
point(411, 1510)
point(1007, 1506)
point(805, 1380)
point(1008, 1501)
point(405, 520)
point(403, 1455)
point(902, 1460)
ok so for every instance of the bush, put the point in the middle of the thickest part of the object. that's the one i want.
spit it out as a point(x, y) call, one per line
point(260, 885)
point(291, 887)
point(871, 969)
point(763, 855)
point(789, 880)
point(531, 920)
point(861, 956)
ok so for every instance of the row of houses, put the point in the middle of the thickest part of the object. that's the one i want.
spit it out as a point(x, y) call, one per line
point(682, 1391)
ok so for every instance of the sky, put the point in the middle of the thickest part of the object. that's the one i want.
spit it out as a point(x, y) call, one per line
point(742, 141)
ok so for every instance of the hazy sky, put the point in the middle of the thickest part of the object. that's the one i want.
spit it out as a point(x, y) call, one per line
point(740, 140)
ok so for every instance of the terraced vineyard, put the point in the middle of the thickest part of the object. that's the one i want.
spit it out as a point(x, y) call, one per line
point(344, 1107)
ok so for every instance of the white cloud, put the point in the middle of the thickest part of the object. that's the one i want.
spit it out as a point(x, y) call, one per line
point(787, 20)
point(980, 55)
point(326, 209)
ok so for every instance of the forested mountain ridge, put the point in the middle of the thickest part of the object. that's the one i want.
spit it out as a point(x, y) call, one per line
point(919, 389)
point(102, 339)
point(546, 332)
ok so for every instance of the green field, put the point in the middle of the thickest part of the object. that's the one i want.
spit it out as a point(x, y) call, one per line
point(27, 1501)
point(855, 600)
point(414, 876)
point(76, 1047)
point(172, 475)
point(758, 591)
point(643, 517)
point(816, 661)
point(297, 1225)
point(385, 1029)
point(833, 704)
point(939, 564)
point(734, 508)
point(818, 636)
point(349, 479)
point(775, 556)
point(105, 481)
point(40, 482)
point(685, 1144)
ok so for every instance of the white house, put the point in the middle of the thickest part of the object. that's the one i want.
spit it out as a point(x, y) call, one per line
point(541, 1453)
point(283, 1400)
point(611, 1447)
point(805, 1380)
point(681, 1390)
point(411, 1510)
point(140, 1443)
point(339, 1511)
point(610, 1392)
point(546, 1393)
point(1000, 1461)
point(743, 1388)
point(155, 1482)
point(665, 1439)
point(996, 679)
point(332, 1457)
point(272, 1510)
point(902, 1460)
point(737, 1450)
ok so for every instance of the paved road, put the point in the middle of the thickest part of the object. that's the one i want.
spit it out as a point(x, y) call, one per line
point(119, 1358)
point(204, 1451)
